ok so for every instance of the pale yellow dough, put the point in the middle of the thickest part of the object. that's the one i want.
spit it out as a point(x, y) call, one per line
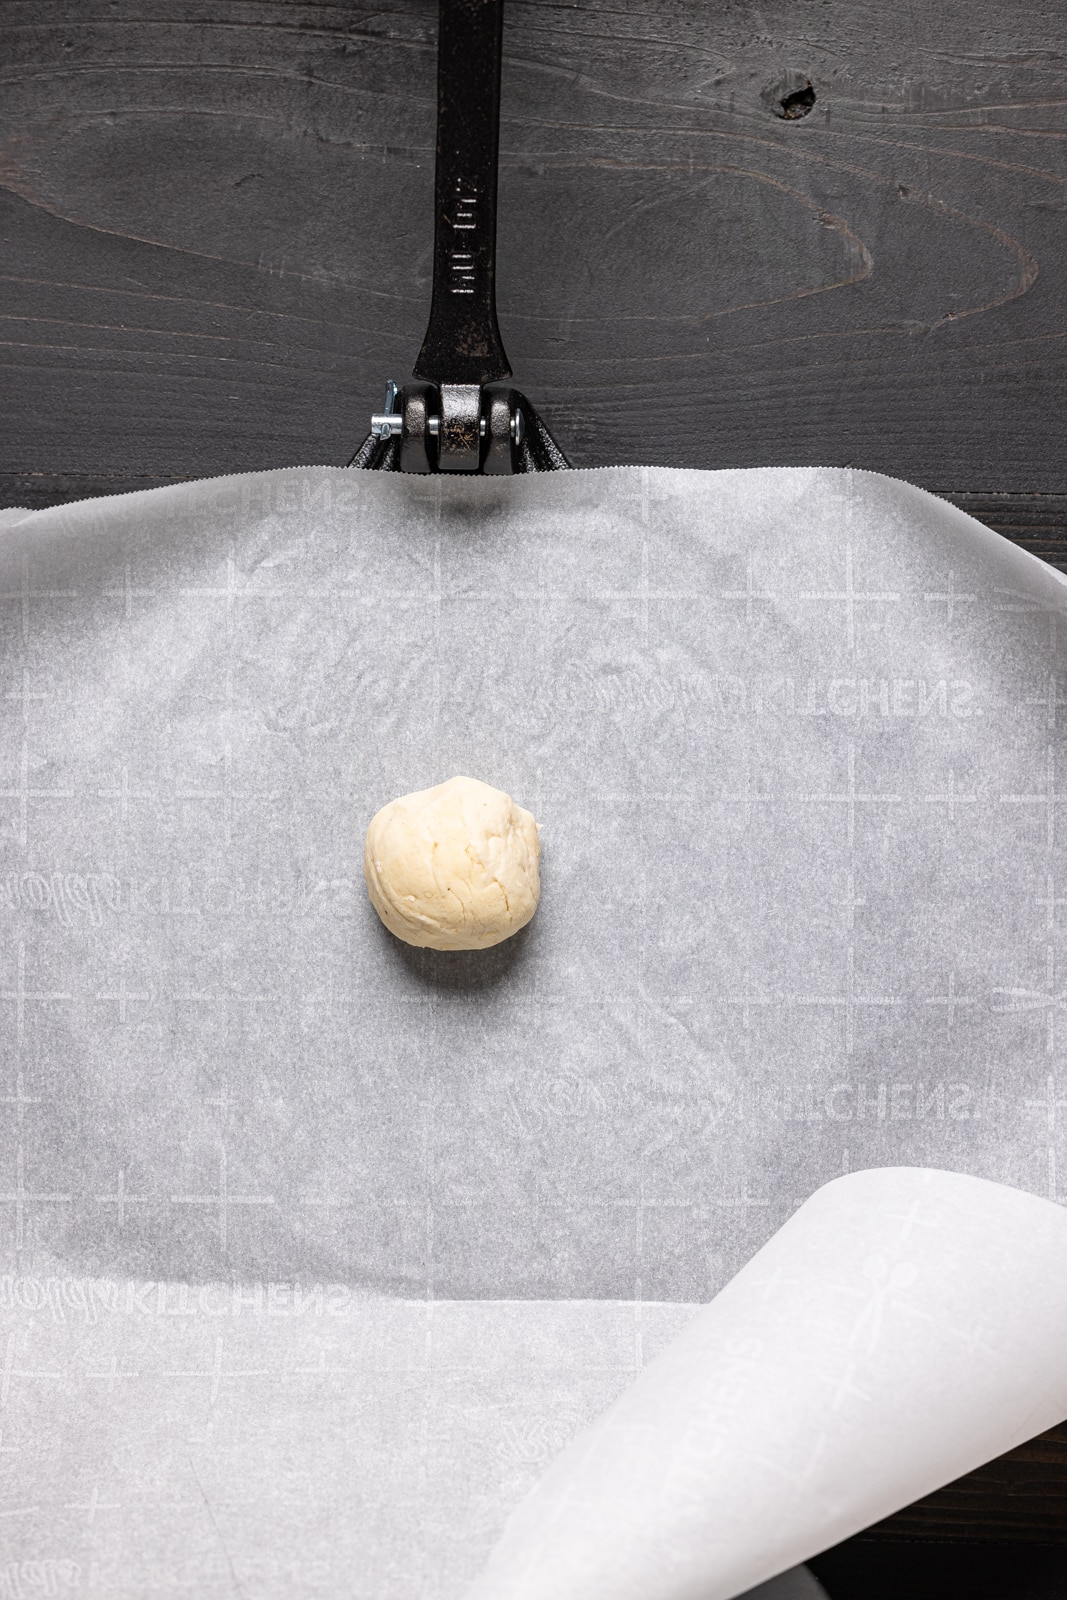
point(454, 867)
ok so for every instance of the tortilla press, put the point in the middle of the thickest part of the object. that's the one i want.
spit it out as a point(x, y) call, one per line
point(461, 413)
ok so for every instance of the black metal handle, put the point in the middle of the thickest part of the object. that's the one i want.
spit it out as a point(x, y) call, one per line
point(462, 343)
point(460, 415)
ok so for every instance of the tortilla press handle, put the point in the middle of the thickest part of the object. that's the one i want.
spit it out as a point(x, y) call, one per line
point(460, 414)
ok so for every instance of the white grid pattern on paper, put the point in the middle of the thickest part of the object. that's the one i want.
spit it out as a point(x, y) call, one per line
point(25, 593)
point(25, 792)
point(23, 997)
point(849, 889)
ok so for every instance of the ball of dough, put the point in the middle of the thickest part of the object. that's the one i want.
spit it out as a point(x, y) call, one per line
point(454, 867)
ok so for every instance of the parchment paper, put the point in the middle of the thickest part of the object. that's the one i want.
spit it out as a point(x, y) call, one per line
point(795, 741)
point(904, 1326)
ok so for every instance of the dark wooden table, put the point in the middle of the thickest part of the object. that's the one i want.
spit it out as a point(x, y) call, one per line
point(731, 234)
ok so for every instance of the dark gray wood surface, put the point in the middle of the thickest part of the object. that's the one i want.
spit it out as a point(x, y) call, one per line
point(217, 232)
point(217, 225)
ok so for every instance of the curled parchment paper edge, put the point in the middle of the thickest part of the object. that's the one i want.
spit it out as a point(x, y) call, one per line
point(903, 1327)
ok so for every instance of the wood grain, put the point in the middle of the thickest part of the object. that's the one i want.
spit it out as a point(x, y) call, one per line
point(218, 231)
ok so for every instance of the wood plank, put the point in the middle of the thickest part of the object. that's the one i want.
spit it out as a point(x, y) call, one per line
point(219, 227)
point(1036, 522)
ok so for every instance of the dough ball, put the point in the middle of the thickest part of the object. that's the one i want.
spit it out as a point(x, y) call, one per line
point(454, 867)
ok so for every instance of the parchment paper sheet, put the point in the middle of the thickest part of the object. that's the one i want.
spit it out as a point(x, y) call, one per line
point(795, 740)
point(903, 1327)
point(168, 1437)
